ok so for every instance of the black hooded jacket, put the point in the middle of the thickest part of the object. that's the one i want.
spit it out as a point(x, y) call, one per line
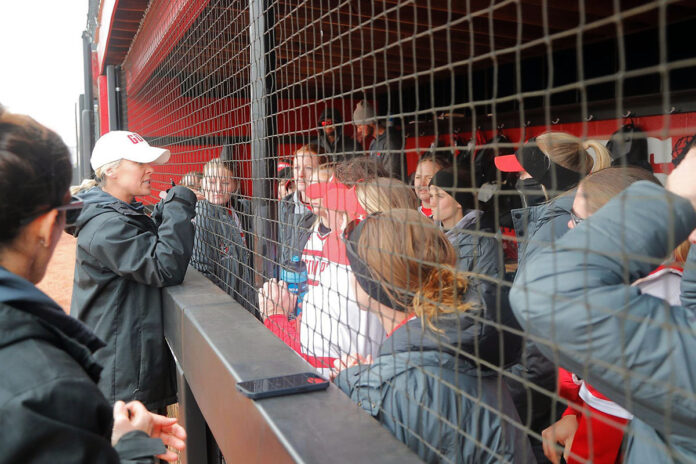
point(124, 258)
point(51, 409)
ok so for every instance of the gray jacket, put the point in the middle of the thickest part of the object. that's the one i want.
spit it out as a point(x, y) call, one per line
point(539, 226)
point(409, 389)
point(220, 251)
point(124, 258)
point(475, 253)
point(294, 227)
point(578, 296)
point(388, 149)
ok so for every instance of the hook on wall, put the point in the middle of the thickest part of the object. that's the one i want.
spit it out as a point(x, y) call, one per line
point(527, 123)
point(556, 121)
point(628, 114)
point(589, 118)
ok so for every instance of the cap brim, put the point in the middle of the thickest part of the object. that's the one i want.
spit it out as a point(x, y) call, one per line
point(153, 155)
point(319, 189)
point(508, 163)
point(344, 200)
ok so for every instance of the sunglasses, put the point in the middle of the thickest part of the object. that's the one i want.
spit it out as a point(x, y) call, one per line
point(575, 218)
point(72, 212)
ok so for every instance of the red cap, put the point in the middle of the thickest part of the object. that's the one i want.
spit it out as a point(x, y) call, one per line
point(320, 189)
point(508, 163)
point(336, 197)
point(344, 199)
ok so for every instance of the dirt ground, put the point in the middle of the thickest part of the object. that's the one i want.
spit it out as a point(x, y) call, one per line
point(58, 281)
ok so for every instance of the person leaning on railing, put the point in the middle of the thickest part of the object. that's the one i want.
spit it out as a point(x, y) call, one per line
point(51, 409)
point(220, 250)
point(632, 347)
point(434, 383)
point(124, 258)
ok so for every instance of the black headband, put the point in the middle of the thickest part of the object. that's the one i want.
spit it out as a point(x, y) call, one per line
point(361, 271)
point(549, 174)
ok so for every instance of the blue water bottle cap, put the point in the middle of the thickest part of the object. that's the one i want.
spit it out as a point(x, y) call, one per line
point(295, 259)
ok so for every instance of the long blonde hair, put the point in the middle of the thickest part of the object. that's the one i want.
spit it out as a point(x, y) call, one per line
point(384, 193)
point(410, 257)
point(99, 178)
point(570, 152)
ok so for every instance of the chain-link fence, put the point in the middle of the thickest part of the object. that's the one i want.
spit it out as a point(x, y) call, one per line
point(411, 186)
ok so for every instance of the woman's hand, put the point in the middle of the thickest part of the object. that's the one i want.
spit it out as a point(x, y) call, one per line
point(135, 416)
point(561, 432)
point(346, 361)
point(172, 435)
point(129, 419)
point(275, 298)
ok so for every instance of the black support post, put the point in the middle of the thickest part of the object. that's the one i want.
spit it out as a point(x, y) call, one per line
point(87, 116)
point(263, 131)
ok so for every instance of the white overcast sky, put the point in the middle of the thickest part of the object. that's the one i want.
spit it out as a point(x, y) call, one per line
point(41, 60)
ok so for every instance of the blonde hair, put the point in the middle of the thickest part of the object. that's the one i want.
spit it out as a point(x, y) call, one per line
point(189, 179)
point(570, 152)
point(408, 256)
point(384, 193)
point(98, 180)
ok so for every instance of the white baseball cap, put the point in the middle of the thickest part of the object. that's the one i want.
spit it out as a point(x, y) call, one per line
point(117, 145)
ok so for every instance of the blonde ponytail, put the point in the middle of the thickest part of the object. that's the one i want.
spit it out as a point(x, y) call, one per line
point(84, 186)
point(99, 176)
point(441, 293)
point(602, 158)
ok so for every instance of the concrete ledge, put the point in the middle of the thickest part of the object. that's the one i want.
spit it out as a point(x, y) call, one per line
point(217, 343)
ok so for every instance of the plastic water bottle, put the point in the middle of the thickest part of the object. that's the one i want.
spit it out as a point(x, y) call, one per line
point(294, 273)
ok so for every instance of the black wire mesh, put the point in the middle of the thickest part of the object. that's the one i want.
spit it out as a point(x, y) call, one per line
point(254, 98)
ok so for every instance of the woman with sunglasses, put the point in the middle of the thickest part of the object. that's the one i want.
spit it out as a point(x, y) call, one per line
point(50, 406)
point(124, 258)
point(435, 383)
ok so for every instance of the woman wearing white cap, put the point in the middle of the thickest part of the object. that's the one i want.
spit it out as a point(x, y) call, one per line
point(124, 257)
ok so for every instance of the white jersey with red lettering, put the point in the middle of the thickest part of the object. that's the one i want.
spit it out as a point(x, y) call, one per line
point(332, 323)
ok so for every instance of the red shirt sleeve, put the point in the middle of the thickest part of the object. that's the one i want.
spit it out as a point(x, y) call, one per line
point(286, 330)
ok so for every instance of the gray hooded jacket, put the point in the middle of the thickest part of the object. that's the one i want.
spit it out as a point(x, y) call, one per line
point(408, 387)
point(475, 253)
point(124, 258)
point(220, 252)
point(294, 227)
point(578, 295)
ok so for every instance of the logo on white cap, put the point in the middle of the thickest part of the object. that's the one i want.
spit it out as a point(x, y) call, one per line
point(118, 145)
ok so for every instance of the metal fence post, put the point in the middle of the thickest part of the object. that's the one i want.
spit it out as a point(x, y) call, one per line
point(112, 90)
point(87, 115)
point(263, 130)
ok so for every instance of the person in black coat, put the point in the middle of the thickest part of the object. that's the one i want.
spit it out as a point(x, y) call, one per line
point(124, 257)
point(51, 409)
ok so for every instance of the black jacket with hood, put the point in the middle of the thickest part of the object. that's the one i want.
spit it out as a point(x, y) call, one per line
point(429, 388)
point(124, 258)
point(51, 409)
